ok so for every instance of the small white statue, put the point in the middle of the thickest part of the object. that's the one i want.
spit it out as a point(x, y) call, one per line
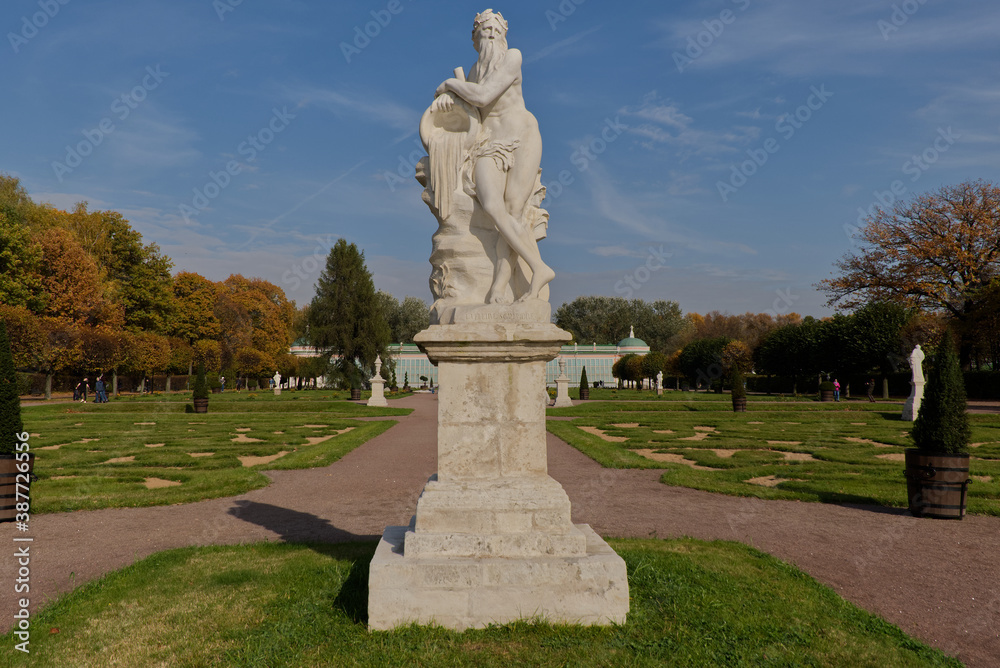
point(911, 409)
point(916, 364)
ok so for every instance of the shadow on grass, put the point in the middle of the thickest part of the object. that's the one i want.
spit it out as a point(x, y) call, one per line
point(353, 595)
point(297, 527)
point(293, 526)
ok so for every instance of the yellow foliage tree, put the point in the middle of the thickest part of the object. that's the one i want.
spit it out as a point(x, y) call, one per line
point(937, 251)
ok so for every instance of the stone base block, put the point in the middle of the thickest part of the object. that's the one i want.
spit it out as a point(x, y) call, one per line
point(461, 593)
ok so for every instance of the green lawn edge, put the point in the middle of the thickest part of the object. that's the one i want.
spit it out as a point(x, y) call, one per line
point(694, 603)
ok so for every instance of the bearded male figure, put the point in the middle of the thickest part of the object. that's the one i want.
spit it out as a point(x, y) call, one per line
point(502, 167)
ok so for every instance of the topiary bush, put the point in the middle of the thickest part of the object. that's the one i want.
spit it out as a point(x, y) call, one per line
point(942, 426)
point(583, 379)
point(200, 389)
point(10, 402)
point(739, 391)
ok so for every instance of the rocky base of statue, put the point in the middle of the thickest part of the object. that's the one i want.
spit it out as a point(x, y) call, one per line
point(492, 540)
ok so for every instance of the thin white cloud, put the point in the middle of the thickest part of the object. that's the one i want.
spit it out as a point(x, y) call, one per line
point(844, 37)
point(368, 106)
point(668, 126)
point(615, 251)
point(561, 45)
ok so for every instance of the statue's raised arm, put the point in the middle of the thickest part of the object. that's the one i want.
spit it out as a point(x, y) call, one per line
point(481, 138)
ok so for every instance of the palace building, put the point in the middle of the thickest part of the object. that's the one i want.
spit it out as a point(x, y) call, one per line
point(411, 363)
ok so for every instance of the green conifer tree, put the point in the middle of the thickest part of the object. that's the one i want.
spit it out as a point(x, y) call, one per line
point(943, 425)
point(10, 402)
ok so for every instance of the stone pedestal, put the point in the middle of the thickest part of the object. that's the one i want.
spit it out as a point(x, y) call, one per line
point(912, 406)
point(378, 386)
point(562, 387)
point(492, 540)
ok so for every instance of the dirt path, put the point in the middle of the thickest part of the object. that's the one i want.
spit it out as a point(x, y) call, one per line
point(937, 580)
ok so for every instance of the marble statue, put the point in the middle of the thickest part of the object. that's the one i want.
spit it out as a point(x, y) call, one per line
point(492, 538)
point(912, 406)
point(483, 183)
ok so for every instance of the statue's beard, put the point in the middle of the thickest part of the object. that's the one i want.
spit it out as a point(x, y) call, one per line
point(491, 55)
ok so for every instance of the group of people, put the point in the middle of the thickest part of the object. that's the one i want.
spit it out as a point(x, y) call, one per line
point(83, 388)
point(870, 386)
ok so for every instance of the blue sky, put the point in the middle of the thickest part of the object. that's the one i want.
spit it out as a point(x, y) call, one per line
point(729, 144)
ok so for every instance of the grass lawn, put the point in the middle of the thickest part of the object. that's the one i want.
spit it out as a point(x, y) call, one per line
point(693, 603)
point(847, 452)
point(614, 394)
point(149, 451)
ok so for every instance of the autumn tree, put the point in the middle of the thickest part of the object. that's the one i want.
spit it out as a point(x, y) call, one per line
point(25, 333)
point(71, 281)
point(345, 318)
point(146, 353)
point(137, 274)
point(936, 251)
point(61, 349)
point(253, 314)
point(209, 353)
point(194, 308)
point(20, 261)
point(750, 328)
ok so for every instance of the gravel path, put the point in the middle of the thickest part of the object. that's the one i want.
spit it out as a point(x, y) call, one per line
point(937, 580)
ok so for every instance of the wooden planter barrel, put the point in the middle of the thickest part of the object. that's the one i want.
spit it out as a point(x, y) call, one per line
point(740, 405)
point(936, 484)
point(355, 394)
point(584, 393)
point(10, 475)
point(826, 395)
point(200, 405)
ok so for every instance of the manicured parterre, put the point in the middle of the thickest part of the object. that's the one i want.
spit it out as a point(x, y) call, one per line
point(149, 451)
point(846, 452)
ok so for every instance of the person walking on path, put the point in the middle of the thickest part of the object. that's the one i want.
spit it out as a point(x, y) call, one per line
point(836, 390)
point(871, 390)
point(83, 388)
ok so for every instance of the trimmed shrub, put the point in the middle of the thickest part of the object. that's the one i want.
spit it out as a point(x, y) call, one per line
point(943, 425)
point(200, 388)
point(736, 377)
point(10, 402)
point(583, 378)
